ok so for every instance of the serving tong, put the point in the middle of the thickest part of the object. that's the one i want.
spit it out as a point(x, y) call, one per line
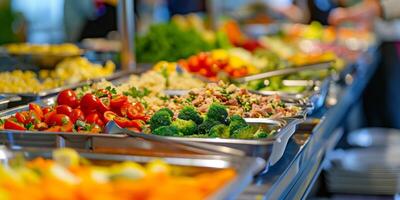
point(286, 71)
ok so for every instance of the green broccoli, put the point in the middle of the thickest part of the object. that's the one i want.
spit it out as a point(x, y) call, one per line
point(168, 110)
point(236, 122)
point(220, 131)
point(205, 127)
point(217, 112)
point(167, 131)
point(246, 132)
point(261, 133)
point(190, 113)
point(160, 118)
point(186, 127)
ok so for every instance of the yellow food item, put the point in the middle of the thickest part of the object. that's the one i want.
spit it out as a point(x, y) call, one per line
point(74, 70)
point(126, 180)
point(71, 70)
point(43, 49)
point(20, 82)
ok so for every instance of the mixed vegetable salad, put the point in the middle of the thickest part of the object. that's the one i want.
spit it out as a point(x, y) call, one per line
point(69, 176)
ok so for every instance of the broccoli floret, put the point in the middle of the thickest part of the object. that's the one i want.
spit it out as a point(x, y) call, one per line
point(186, 127)
point(217, 112)
point(236, 122)
point(160, 118)
point(261, 133)
point(220, 131)
point(167, 131)
point(190, 113)
point(168, 110)
point(205, 127)
point(246, 132)
point(237, 118)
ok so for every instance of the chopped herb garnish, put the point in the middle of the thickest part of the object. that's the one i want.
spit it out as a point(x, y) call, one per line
point(29, 126)
point(111, 90)
point(137, 93)
point(2, 121)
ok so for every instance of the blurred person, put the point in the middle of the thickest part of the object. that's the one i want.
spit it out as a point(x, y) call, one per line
point(382, 95)
point(307, 11)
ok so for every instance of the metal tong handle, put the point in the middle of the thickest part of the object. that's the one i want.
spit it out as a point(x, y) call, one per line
point(316, 66)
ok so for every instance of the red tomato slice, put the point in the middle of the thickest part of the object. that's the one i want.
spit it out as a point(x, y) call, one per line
point(77, 114)
point(104, 104)
point(109, 115)
point(136, 112)
point(68, 97)
point(118, 101)
point(64, 109)
point(36, 108)
point(124, 122)
point(124, 109)
point(9, 124)
point(20, 117)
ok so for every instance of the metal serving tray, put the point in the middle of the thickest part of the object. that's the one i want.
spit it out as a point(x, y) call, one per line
point(36, 96)
point(6, 99)
point(312, 98)
point(123, 142)
point(271, 148)
point(245, 167)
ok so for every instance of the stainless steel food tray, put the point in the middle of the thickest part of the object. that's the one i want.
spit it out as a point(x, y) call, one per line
point(6, 99)
point(114, 143)
point(271, 148)
point(311, 99)
point(245, 167)
point(36, 96)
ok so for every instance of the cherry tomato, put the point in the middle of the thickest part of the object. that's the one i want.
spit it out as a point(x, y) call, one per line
point(46, 110)
point(64, 109)
point(68, 97)
point(89, 102)
point(36, 108)
point(59, 119)
point(194, 64)
point(104, 104)
point(21, 118)
point(118, 101)
point(77, 114)
point(109, 115)
point(9, 124)
point(48, 116)
point(94, 118)
point(53, 129)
